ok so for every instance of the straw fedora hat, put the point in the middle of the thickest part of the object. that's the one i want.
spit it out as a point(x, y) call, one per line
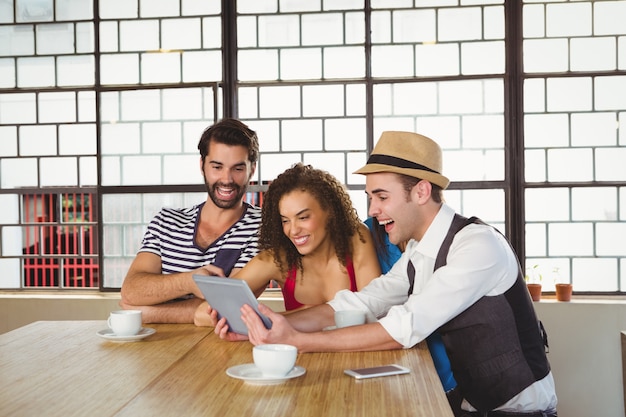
point(407, 153)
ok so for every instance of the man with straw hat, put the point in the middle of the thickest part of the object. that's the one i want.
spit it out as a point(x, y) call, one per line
point(457, 276)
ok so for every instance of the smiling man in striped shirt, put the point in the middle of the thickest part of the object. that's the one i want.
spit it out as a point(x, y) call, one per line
point(216, 237)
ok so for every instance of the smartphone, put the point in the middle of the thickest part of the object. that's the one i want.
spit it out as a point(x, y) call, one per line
point(375, 371)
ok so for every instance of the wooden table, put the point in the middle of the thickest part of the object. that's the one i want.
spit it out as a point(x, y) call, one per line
point(62, 368)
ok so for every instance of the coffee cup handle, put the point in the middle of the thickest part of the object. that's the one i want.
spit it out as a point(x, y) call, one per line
point(109, 323)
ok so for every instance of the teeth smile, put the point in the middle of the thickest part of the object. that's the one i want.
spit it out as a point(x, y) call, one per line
point(384, 222)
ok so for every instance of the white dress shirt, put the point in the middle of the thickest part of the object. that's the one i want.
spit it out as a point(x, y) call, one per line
point(480, 263)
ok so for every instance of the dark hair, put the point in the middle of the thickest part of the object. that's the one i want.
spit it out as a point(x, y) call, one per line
point(343, 220)
point(230, 132)
point(408, 182)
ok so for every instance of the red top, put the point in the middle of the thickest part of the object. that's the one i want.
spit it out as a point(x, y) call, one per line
point(289, 288)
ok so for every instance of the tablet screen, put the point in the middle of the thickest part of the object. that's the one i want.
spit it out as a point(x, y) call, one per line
point(227, 296)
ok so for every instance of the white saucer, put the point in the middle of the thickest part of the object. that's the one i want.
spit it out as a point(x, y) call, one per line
point(252, 375)
point(109, 335)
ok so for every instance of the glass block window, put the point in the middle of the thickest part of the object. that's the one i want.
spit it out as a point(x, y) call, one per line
point(167, 42)
point(574, 142)
point(125, 217)
point(43, 46)
point(151, 136)
point(73, 118)
point(284, 60)
point(316, 124)
point(50, 139)
point(433, 41)
point(108, 99)
point(470, 132)
point(49, 240)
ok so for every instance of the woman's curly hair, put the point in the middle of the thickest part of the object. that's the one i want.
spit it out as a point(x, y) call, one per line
point(343, 220)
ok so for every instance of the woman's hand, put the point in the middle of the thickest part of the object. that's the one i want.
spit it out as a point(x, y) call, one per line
point(281, 331)
point(205, 316)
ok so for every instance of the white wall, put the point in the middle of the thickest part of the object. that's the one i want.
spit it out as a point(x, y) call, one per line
point(584, 337)
point(586, 355)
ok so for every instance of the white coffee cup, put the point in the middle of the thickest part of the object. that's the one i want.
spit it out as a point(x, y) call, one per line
point(345, 318)
point(125, 322)
point(274, 360)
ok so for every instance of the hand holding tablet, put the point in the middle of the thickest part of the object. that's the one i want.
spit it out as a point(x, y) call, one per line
point(227, 296)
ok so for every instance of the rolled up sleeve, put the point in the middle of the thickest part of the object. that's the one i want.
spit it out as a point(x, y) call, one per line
point(378, 296)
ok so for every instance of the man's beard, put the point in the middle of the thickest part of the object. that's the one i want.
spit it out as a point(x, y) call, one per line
point(226, 204)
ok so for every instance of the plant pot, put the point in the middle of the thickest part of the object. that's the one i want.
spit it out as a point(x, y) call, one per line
point(563, 292)
point(535, 291)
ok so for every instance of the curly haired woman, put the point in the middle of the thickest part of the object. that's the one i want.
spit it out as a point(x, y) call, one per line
point(312, 242)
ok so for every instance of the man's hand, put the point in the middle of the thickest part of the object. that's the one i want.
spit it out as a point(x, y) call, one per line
point(205, 270)
point(281, 331)
point(146, 285)
point(224, 333)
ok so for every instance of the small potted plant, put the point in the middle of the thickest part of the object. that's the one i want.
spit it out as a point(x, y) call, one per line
point(533, 282)
point(563, 289)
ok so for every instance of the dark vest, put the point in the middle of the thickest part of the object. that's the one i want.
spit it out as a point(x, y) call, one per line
point(497, 347)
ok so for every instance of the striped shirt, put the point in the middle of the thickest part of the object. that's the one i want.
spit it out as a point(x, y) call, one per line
point(171, 232)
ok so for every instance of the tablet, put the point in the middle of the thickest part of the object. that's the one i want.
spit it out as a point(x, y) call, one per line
point(227, 296)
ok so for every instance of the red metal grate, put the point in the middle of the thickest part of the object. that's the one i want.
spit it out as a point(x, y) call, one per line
point(60, 245)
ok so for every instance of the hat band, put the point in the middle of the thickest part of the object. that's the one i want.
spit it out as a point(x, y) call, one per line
point(397, 162)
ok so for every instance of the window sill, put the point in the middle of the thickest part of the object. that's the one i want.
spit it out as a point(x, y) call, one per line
point(269, 295)
point(585, 299)
point(62, 294)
